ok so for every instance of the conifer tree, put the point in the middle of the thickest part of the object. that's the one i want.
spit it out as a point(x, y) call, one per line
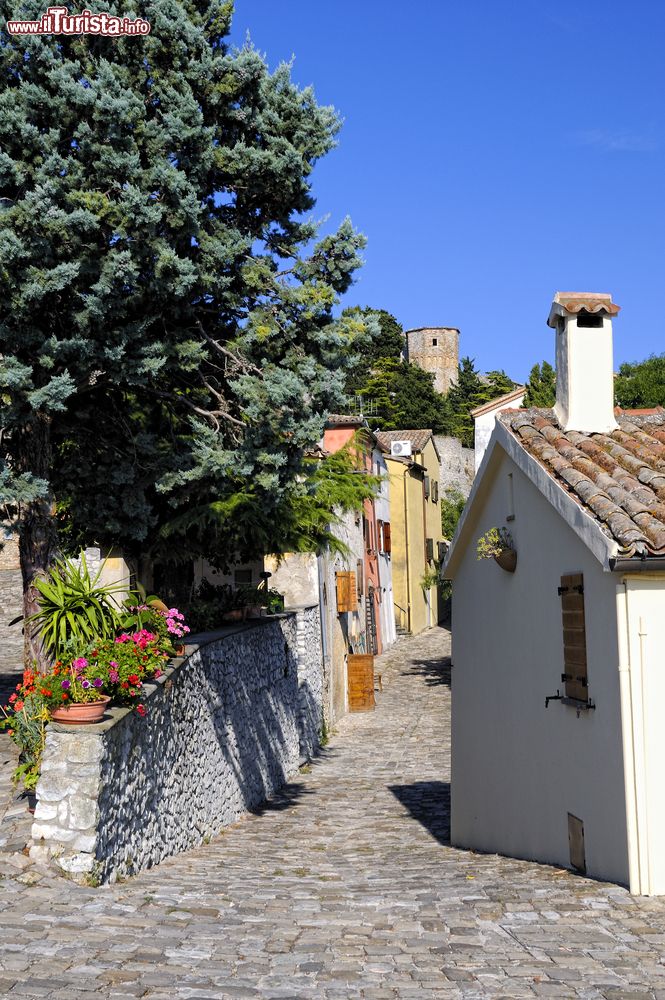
point(541, 386)
point(165, 308)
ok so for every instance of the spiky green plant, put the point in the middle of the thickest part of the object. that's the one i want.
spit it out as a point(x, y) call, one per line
point(74, 607)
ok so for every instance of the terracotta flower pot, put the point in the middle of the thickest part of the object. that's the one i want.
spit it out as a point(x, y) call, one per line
point(236, 615)
point(81, 714)
point(507, 559)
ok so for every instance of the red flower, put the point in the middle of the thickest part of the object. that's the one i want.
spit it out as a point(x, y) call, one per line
point(18, 706)
point(12, 699)
point(141, 710)
point(133, 679)
point(124, 684)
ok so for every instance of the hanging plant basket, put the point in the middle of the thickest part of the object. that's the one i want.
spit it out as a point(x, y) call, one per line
point(507, 559)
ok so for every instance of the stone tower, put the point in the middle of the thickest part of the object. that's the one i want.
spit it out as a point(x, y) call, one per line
point(436, 350)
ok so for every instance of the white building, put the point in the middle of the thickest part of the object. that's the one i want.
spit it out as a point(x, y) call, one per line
point(384, 549)
point(558, 692)
point(484, 419)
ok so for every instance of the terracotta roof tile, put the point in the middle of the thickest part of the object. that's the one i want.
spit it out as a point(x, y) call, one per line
point(574, 302)
point(619, 478)
point(418, 439)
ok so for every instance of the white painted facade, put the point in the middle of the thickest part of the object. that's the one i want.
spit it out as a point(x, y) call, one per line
point(382, 509)
point(641, 619)
point(519, 768)
point(584, 368)
point(484, 419)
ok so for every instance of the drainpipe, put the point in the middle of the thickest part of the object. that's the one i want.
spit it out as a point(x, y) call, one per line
point(628, 736)
point(406, 554)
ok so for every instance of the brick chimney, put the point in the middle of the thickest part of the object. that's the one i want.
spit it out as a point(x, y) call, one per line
point(584, 368)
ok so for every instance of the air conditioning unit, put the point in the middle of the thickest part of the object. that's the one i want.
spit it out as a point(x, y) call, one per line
point(401, 449)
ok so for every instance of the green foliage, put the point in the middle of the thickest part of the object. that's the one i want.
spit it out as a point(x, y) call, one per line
point(452, 505)
point(403, 396)
point(248, 522)
point(166, 304)
point(641, 384)
point(383, 338)
point(429, 579)
point(493, 542)
point(541, 386)
point(466, 394)
point(74, 607)
point(25, 722)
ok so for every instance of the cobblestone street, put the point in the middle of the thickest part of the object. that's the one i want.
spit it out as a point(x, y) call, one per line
point(344, 886)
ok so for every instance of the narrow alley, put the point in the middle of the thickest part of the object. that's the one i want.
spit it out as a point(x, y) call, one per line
point(344, 886)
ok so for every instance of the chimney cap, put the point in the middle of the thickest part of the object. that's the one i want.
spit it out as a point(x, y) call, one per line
point(574, 302)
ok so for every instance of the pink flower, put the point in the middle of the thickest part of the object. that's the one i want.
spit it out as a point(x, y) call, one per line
point(123, 638)
point(114, 676)
point(81, 663)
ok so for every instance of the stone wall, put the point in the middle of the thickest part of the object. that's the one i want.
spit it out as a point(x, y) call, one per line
point(226, 727)
point(11, 605)
point(436, 350)
point(457, 465)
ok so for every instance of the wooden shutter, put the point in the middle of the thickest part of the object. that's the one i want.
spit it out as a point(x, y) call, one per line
point(345, 582)
point(574, 637)
point(360, 667)
point(361, 578)
point(387, 545)
point(429, 549)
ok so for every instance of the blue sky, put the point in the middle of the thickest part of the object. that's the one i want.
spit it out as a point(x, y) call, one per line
point(492, 153)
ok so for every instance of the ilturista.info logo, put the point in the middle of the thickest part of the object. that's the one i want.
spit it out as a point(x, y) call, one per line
point(58, 21)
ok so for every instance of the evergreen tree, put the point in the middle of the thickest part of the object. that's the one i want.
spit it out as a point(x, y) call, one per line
point(641, 383)
point(384, 338)
point(452, 505)
point(466, 394)
point(165, 311)
point(403, 396)
point(541, 386)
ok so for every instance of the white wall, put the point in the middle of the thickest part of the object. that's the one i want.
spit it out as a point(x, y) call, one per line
point(643, 605)
point(518, 768)
point(484, 425)
point(382, 508)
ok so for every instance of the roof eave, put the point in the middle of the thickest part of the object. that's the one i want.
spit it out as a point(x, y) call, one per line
point(587, 529)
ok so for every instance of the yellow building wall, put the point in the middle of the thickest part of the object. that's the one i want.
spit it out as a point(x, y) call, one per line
point(413, 519)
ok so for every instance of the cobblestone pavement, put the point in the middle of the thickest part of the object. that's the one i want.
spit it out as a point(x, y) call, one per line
point(342, 887)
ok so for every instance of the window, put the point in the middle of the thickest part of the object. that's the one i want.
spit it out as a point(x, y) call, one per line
point(435, 492)
point(426, 486)
point(434, 342)
point(429, 549)
point(574, 673)
point(387, 543)
point(361, 581)
point(379, 535)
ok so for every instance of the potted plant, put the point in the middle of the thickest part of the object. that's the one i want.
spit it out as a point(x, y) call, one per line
point(497, 544)
point(73, 606)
